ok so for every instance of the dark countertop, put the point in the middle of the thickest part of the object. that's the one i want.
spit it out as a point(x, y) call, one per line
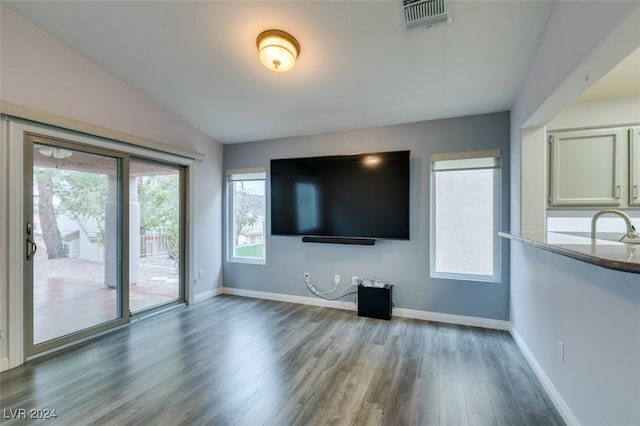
point(604, 253)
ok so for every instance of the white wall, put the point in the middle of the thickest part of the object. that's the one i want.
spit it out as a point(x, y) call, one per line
point(596, 312)
point(40, 73)
point(611, 112)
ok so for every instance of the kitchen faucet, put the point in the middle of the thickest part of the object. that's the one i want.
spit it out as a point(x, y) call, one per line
point(631, 230)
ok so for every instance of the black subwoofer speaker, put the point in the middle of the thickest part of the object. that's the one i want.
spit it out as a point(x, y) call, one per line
point(375, 302)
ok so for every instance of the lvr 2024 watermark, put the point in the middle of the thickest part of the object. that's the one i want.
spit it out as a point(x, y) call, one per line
point(29, 413)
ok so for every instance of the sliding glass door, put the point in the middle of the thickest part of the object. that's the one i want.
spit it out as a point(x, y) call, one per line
point(103, 239)
point(75, 256)
point(156, 240)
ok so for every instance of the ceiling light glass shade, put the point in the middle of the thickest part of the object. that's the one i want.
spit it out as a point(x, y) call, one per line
point(58, 153)
point(61, 153)
point(47, 151)
point(278, 50)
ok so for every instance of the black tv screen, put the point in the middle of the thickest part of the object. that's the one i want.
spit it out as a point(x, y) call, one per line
point(350, 196)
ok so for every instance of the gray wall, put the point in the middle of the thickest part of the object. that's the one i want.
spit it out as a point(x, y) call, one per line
point(406, 263)
point(595, 312)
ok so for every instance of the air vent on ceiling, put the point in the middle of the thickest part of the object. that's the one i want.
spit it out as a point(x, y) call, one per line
point(425, 13)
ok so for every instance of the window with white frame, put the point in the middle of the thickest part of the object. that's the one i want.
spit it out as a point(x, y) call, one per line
point(246, 215)
point(465, 215)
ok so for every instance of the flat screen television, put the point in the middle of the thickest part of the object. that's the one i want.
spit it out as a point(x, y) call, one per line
point(362, 196)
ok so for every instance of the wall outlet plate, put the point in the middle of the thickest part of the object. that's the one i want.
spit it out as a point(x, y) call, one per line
point(336, 279)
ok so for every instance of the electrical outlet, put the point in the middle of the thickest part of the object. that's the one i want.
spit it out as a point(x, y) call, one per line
point(560, 351)
point(201, 273)
point(307, 277)
point(354, 280)
point(1, 334)
point(336, 279)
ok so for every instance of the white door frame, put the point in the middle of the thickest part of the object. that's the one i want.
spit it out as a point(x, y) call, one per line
point(15, 154)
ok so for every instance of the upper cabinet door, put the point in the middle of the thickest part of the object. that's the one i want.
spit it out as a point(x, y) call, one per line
point(634, 166)
point(585, 167)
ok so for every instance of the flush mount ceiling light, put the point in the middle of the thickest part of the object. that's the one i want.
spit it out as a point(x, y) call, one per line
point(59, 153)
point(278, 50)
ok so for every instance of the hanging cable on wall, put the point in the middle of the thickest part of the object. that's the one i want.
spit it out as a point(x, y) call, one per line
point(325, 294)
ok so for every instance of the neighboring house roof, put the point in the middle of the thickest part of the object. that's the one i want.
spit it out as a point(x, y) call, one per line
point(70, 235)
point(90, 228)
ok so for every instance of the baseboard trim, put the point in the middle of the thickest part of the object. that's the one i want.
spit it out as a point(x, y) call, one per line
point(4, 364)
point(207, 295)
point(452, 319)
point(561, 405)
point(280, 297)
point(398, 312)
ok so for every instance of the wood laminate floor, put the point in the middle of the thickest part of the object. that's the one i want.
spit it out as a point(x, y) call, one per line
point(233, 360)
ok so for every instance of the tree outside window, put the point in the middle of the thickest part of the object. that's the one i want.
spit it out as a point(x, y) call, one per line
point(247, 217)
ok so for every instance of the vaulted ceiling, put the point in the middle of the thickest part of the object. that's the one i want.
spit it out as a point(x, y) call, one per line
point(359, 67)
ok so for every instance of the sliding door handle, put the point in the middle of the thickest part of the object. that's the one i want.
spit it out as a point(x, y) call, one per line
point(32, 248)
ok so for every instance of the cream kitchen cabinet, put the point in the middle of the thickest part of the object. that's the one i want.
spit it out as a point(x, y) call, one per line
point(634, 166)
point(586, 167)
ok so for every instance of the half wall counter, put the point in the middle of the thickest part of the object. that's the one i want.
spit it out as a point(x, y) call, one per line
point(604, 253)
